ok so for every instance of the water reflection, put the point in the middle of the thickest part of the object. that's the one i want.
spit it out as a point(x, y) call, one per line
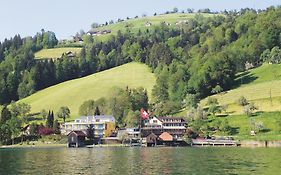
point(119, 160)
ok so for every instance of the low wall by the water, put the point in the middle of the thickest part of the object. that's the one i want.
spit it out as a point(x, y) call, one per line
point(261, 143)
point(274, 143)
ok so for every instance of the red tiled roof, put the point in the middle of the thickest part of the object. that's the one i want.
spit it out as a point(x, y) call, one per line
point(166, 137)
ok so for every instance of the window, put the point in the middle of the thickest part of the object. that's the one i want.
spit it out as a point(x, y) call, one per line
point(154, 121)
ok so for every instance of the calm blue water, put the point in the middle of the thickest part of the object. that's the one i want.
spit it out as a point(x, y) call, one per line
point(123, 160)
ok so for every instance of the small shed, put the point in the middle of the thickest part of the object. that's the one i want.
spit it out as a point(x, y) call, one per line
point(151, 140)
point(76, 139)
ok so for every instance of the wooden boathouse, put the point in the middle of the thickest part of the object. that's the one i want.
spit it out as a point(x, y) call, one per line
point(76, 139)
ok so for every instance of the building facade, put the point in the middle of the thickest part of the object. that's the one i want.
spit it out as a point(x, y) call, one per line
point(92, 126)
point(173, 125)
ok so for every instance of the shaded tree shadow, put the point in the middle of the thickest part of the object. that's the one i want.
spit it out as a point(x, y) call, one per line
point(234, 130)
point(265, 130)
point(244, 78)
point(230, 112)
point(33, 118)
point(258, 113)
point(221, 115)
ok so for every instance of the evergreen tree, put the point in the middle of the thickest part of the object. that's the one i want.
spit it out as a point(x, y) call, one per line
point(56, 127)
point(97, 110)
point(50, 119)
point(5, 115)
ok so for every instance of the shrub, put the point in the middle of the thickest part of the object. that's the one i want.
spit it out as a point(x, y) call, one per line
point(249, 109)
point(217, 89)
point(242, 101)
point(212, 100)
point(45, 131)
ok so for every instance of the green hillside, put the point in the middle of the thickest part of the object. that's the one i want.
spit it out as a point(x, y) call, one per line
point(140, 23)
point(255, 85)
point(56, 52)
point(242, 127)
point(73, 93)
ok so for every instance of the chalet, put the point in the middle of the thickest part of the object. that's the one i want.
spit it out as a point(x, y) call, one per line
point(175, 126)
point(91, 33)
point(77, 39)
point(93, 126)
point(70, 54)
point(147, 24)
point(76, 139)
point(181, 22)
point(98, 33)
point(166, 23)
point(106, 31)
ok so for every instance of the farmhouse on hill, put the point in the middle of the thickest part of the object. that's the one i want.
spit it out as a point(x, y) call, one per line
point(98, 33)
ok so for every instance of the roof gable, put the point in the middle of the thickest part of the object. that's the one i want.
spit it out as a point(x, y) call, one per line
point(166, 137)
point(77, 133)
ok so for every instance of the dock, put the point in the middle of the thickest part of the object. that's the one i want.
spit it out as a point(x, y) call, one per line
point(211, 142)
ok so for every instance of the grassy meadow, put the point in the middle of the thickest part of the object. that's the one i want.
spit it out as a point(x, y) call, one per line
point(56, 52)
point(256, 85)
point(136, 24)
point(74, 92)
point(241, 125)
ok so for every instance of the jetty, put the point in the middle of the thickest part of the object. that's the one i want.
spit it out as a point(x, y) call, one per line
point(214, 142)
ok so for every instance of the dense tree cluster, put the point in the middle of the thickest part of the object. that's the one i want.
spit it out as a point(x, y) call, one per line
point(124, 105)
point(199, 57)
point(18, 69)
point(12, 120)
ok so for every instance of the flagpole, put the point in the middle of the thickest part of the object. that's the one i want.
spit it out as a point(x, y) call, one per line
point(144, 115)
point(140, 131)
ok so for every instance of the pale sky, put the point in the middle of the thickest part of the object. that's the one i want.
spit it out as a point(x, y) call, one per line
point(66, 17)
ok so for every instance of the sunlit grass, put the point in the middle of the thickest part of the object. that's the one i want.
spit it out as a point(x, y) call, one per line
point(73, 93)
point(56, 52)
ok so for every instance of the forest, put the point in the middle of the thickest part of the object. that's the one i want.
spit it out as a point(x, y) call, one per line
point(191, 61)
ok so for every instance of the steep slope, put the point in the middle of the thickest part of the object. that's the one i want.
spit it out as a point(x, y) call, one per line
point(256, 85)
point(143, 23)
point(73, 93)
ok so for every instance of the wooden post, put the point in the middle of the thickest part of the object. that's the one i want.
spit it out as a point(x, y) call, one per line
point(270, 96)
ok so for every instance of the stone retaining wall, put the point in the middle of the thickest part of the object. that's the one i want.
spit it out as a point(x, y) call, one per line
point(261, 143)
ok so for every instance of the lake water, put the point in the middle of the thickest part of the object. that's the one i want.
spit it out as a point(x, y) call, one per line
point(126, 160)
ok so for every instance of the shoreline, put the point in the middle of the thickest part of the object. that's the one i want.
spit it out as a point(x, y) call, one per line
point(243, 144)
point(265, 144)
point(41, 145)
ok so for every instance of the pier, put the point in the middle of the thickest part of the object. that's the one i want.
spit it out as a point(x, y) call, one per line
point(211, 142)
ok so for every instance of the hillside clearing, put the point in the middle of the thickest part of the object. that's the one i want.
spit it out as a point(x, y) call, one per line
point(136, 24)
point(74, 92)
point(241, 125)
point(256, 85)
point(56, 52)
